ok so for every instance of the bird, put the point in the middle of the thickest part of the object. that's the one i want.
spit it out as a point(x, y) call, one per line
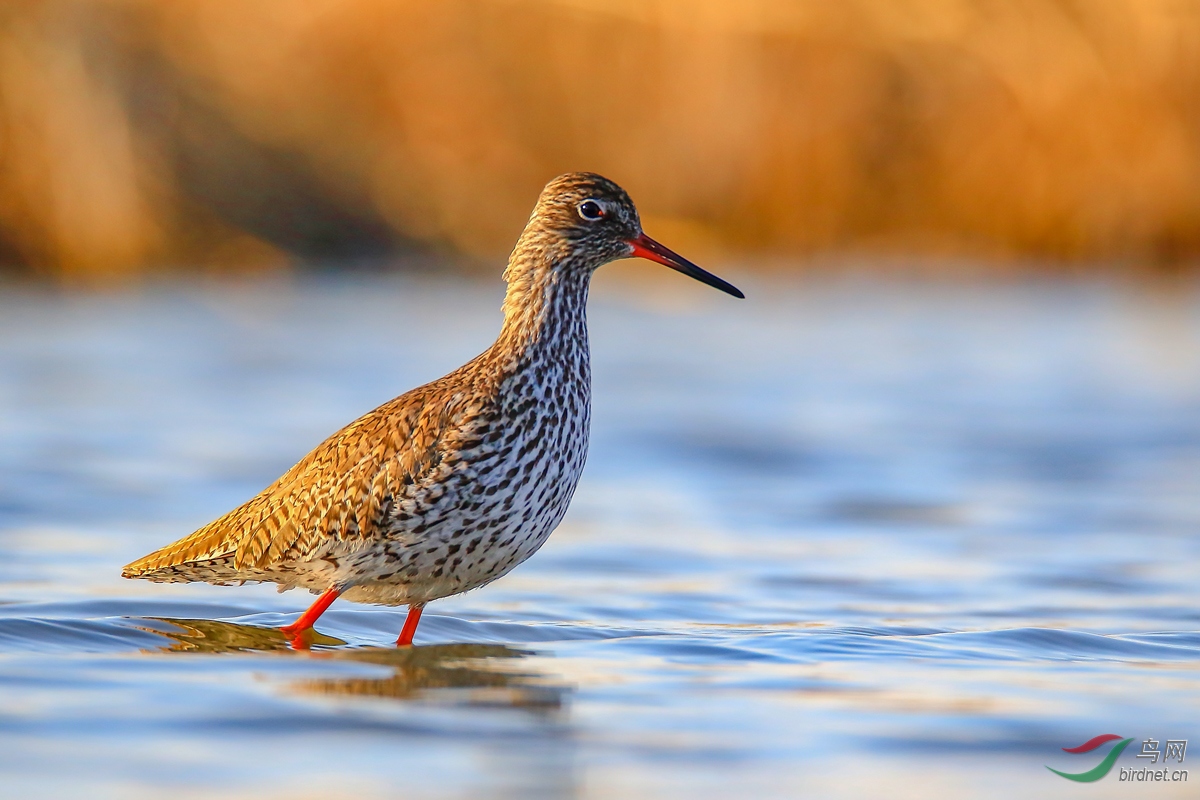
point(453, 484)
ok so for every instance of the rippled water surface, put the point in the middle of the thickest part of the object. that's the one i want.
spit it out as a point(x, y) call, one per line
point(852, 539)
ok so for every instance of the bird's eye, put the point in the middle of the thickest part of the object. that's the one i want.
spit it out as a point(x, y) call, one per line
point(590, 209)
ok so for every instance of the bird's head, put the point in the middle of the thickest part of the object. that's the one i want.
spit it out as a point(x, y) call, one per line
point(583, 221)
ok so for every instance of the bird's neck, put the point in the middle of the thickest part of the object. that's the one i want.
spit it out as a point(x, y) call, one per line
point(545, 308)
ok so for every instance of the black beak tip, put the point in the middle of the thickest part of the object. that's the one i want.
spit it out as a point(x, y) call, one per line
point(644, 247)
point(719, 283)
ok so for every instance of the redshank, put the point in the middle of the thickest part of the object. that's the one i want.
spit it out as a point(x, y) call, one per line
point(452, 485)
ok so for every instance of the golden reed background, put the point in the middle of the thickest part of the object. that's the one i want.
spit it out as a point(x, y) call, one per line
point(140, 135)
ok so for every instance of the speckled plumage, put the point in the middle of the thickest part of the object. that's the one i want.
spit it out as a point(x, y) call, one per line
point(451, 485)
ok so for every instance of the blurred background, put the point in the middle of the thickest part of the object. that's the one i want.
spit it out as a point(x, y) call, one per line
point(916, 515)
point(138, 136)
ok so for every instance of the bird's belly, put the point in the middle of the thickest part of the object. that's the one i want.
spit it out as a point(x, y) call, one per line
point(471, 544)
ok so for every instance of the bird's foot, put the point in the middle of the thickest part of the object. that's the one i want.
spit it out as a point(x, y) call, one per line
point(298, 638)
point(294, 628)
point(301, 631)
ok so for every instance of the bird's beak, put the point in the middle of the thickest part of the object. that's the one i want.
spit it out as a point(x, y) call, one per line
point(645, 247)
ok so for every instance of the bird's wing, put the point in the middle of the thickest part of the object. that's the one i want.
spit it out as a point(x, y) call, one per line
point(343, 489)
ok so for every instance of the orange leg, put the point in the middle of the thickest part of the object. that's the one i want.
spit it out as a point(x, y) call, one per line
point(410, 625)
point(309, 617)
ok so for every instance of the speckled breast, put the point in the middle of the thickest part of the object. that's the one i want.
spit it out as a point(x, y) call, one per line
point(494, 499)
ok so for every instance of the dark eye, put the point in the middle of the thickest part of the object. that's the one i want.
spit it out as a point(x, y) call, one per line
point(590, 209)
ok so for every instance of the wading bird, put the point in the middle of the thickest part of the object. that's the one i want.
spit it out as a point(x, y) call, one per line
point(450, 486)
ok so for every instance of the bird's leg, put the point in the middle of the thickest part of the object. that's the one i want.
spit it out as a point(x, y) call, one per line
point(315, 610)
point(410, 625)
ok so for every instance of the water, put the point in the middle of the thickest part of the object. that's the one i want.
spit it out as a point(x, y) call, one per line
point(843, 539)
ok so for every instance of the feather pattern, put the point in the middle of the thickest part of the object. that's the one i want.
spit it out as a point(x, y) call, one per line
point(450, 485)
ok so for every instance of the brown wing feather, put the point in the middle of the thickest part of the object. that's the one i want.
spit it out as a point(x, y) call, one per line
point(339, 489)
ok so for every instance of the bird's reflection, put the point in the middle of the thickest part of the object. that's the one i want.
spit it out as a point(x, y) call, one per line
point(215, 636)
point(476, 674)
